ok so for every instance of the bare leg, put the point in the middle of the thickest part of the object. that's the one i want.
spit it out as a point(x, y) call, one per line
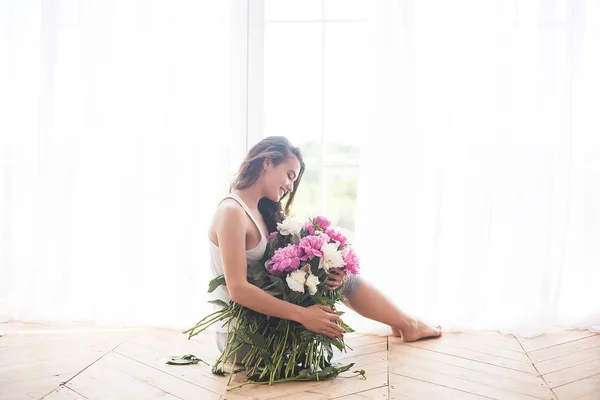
point(371, 303)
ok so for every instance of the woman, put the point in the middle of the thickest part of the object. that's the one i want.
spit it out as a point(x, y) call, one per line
point(238, 233)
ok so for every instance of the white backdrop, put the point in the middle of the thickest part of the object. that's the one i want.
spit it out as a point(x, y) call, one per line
point(120, 122)
point(116, 135)
point(484, 154)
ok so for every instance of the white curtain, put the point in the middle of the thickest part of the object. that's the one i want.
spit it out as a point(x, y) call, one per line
point(116, 136)
point(479, 194)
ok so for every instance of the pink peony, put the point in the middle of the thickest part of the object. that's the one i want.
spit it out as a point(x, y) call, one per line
point(309, 227)
point(272, 235)
point(352, 262)
point(322, 222)
point(337, 236)
point(312, 246)
point(323, 235)
point(286, 259)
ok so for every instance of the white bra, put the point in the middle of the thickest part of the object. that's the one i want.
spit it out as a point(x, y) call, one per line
point(254, 254)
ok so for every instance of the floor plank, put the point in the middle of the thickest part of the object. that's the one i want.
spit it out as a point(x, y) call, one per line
point(591, 343)
point(567, 361)
point(380, 393)
point(399, 350)
point(122, 377)
point(81, 361)
point(558, 336)
point(483, 383)
point(403, 388)
point(577, 389)
point(441, 347)
point(31, 388)
point(575, 373)
point(457, 383)
point(64, 393)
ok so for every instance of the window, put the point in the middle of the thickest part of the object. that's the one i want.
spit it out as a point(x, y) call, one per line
point(313, 62)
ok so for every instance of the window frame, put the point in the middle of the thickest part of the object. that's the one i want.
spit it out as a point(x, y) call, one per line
point(254, 85)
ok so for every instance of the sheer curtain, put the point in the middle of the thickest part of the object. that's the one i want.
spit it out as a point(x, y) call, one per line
point(116, 136)
point(479, 194)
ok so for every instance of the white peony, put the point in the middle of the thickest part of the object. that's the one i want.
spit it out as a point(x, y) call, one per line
point(311, 282)
point(296, 280)
point(290, 227)
point(332, 258)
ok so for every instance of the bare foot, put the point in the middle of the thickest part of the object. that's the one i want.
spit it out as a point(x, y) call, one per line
point(419, 330)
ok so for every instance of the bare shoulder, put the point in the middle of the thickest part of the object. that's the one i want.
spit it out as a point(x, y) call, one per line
point(230, 214)
point(229, 220)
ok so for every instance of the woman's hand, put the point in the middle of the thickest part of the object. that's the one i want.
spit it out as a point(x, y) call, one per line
point(336, 278)
point(319, 319)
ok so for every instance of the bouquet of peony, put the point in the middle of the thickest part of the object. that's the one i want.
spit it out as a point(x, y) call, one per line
point(295, 268)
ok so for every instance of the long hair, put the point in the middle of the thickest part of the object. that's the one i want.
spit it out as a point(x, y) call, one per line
point(278, 149)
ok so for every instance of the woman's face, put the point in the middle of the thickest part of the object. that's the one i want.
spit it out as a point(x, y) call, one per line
point(279, 179)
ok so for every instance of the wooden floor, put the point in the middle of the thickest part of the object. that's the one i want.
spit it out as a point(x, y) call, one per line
point(80, 361)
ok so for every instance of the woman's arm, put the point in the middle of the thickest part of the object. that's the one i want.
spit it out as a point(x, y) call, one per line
point(231, 225)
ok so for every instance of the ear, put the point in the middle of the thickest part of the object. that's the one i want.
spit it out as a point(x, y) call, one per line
point(267, 163)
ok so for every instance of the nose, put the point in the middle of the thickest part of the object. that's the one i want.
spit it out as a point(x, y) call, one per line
point(289, 187)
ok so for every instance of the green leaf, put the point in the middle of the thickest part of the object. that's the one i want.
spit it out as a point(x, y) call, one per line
point(329, 350)
point(270, 286)
point(254, 377)
point(345, 367)
point(346, 327)
point(218, 371)
point(185, 360)
point(334, 342)
point(257, 271)
point(257, 340)
point(279, 285)
point(326, 372)
point(314, 266)
point(219, 302)
point(215, 283)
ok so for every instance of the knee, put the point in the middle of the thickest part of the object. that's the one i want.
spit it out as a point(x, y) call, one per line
point(350, 286)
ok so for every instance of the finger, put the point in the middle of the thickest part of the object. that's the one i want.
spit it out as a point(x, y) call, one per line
point(333, 333)
point(337, 328)
point(335, 318)
point(330, 333)
point(325, 308)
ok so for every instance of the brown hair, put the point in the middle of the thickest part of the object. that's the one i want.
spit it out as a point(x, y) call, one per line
point(278, 149)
